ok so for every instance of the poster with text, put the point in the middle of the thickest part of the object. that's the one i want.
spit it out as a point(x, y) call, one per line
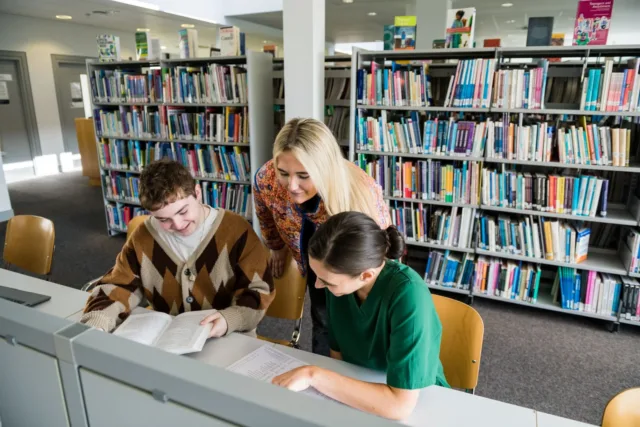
point(593, 20)
point(460, 27)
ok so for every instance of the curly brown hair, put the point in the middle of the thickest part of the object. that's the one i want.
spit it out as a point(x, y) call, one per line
point(163, 182)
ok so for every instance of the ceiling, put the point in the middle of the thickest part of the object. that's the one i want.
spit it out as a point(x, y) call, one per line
point(119, 17)
point(350, 23)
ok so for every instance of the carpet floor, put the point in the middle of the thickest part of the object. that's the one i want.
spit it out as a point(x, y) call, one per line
point(552, 362)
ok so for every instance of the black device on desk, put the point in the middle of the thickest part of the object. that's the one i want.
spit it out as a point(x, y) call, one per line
point(22, 297)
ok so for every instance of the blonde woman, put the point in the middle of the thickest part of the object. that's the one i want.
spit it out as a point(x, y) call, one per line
point(305, 183)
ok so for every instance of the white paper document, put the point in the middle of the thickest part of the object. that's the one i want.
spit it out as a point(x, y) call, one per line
point(181, 334)
point(266, 363)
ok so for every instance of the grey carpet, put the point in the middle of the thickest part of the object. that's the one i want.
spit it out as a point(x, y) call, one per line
point(552, 362)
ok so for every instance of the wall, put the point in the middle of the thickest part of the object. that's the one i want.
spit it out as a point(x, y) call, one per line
point(40, 38)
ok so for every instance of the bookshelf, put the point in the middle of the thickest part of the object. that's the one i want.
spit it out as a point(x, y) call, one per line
point(337, 76)
point(386, 123)
point(222, 128)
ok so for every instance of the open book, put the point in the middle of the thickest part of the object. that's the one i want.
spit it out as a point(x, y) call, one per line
point(268, 362)
point(181, 334)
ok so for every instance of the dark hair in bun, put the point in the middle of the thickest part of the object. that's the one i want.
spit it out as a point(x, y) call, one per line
point(352, 242)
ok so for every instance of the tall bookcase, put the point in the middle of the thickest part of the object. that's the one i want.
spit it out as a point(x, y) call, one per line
point(337, 77)
point(252, 114)
point(566, 76)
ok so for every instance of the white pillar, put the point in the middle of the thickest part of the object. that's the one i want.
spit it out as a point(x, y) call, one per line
point(6, 212)
point(303, 58)
point(431, 18)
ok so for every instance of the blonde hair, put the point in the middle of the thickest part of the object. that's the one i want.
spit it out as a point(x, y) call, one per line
point(340, 186)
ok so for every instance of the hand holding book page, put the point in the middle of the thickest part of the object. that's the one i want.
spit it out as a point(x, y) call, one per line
point(181, 334)
point(266, 363)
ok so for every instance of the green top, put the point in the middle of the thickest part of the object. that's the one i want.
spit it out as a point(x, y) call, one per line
point(396, 329)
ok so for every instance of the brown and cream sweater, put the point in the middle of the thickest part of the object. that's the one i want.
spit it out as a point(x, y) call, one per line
point(230, 268)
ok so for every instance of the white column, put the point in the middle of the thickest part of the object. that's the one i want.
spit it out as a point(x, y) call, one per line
point(6, 212)
point(303, 58)
point(431, 17)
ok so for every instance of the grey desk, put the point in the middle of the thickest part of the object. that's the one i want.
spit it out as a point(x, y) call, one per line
point(437, 407)
point(64, 302)
point(548, 420)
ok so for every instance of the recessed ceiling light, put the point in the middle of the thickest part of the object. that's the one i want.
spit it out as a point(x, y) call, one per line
point(507, 4)
point(264, 41)
point(187, 25)
point(63, 17)
point(142, 29)
point(347, 1)
point(163, 47)
point(511, 21)
point(371, 14)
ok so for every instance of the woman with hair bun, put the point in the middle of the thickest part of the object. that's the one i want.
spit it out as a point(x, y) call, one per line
point(381, 316)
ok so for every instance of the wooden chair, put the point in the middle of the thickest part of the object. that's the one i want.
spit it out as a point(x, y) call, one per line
point(623, 410)
point(29, 244)
point(461, 344)
point(133, 224)
point(289, 300)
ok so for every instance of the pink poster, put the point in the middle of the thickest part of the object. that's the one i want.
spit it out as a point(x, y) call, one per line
point(593, 20)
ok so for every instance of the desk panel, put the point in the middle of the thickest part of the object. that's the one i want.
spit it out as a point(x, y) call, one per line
point(30, 388)
point(134, 407)
point(548, 420)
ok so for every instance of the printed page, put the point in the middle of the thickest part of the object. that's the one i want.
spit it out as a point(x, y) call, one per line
point(144, 328)
point(185, 334)
point(266, 363)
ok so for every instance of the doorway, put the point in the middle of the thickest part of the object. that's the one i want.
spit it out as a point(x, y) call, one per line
point(66, 76)
point(19, 140)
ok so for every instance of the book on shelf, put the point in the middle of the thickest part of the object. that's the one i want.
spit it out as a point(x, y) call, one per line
point(133, 121)
point(108, 48)
point(121, 154)
point(146, 48)
point(632, 253)
point(630, 300)
point(118, 215)
point(179, 335)
point(124, 187)
point(451, 227)
point(587, 291)
point(398, 85)
point(472, 84)
point(606, 90)
point(231, 41)
point(401, 133)
point(337, 119)
point(460, 28)
point(336, 89)
point(425, 179)
point(211, 83)
point(188, 43)
point(232, 197)
point(521, 88)
point(271, 48)
point(515, 280)
point(534, 237)
point(448, 269)
point(126, 85)
point(404, 28)
point(563, 194)
point(229, 124)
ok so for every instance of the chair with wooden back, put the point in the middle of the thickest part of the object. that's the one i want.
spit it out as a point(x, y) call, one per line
point(131, 227)
point(289, 301)
point(461, 344)
point(623, 410)
point(29, 244)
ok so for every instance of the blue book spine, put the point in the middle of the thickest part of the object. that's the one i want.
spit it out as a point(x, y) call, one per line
point(622, 90)
point(589, 98)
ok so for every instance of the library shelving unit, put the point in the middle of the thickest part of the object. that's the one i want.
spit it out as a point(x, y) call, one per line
point(337, 75)
point(222, 133)
point(563, 104)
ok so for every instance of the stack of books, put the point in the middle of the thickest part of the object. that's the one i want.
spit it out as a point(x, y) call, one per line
point(137, 122)
point(231, 125)
point(122, 187)
point(630, 301)
point(587, 291)
point(575, 195)
point(472, 84)
point(450, 270)
point(118, 216)
point(233, 197)
point(518, 281)
point(126, 86)
point(521, 88)
point(442, 226)
point(400, 85)
point(531, 237)
point(605, 90)
point(212, 83)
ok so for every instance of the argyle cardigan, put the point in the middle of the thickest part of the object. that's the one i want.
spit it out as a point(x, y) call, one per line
point(231, 275)
point(281, 219)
